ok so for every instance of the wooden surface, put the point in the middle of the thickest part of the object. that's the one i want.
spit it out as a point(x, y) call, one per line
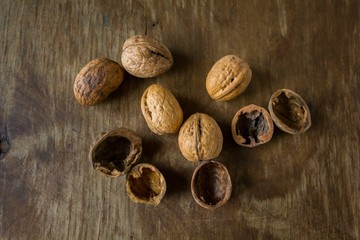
point(294, 187)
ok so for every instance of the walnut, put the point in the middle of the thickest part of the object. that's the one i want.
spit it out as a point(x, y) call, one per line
point(97, 80)
point(200, 138)
point(228, 78)
point(161, 110)
point(145, 57)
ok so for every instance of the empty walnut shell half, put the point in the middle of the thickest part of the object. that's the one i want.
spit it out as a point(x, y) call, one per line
point(200, 138)
point(145, 184)
point(289, 111)
point(228, 78)
point(114, 153)
point(211, 185)
point(251, 126)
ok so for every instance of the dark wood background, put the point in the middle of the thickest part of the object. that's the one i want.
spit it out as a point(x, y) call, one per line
point(294, 187)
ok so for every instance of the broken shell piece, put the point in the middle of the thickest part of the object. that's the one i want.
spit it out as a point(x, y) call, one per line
point(251, 126)
point(145, 184)
point(115, 152)
point(289, 111)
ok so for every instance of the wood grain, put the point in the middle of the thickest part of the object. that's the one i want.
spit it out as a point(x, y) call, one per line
point(294, 187)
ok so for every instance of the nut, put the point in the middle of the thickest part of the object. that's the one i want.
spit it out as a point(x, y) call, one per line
point(228, 78)
point(289, 111)
point(145, 184)
point(114, 153)
point(145, 57)
point(252, 126)
point(200, 138)
point(161, 110)
point(211, 185)
point(97, 80)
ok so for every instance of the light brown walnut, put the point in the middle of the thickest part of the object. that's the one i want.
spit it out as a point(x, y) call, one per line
point(228, 78)
point(161, 110)
point(200, 138)
point(145, 57)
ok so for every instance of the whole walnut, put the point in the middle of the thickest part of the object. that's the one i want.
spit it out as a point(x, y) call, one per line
point(228, 78)
point(145, 57)
point(97, 80)
point(161, 110)
point(200, 138)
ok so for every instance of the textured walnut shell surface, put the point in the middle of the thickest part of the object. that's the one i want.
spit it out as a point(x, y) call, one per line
point(97, 80)
point(145, 184)
point(211, 185)
point(251, 126)
point(115, 152)
point(289, 111)
point(145, 57)
point(161, 110)
point(228, 78)
point(200, 138)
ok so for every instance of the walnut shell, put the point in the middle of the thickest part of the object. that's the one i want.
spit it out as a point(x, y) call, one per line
point(200, 138)
point(145, 57)
point(251, 126)
point(211, 185)
point(145, 184)
point(289, 111)
point(161, 110)
point(97, 80)
point(114, 153)
point(228, 78)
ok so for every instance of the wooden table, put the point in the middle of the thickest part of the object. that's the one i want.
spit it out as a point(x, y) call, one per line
point(303, 186)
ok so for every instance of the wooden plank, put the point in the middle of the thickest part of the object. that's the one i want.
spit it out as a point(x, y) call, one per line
point(294, 187)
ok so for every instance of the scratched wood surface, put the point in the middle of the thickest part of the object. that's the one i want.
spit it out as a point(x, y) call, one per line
point(294, 187)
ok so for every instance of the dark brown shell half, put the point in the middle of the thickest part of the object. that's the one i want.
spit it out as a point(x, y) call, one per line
point(211, 185)
point(114, 153)
point(251, 126)
point(289, 111)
